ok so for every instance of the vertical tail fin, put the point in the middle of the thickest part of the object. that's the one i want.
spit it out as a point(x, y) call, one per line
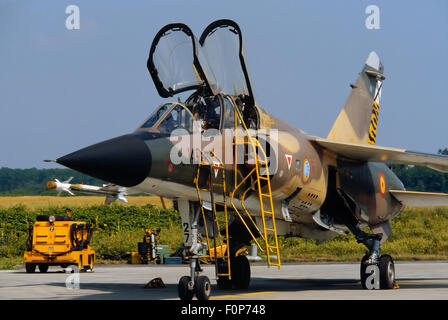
point(358, 120)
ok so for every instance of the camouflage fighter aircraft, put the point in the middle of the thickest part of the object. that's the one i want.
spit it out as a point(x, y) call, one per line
point(237, 174)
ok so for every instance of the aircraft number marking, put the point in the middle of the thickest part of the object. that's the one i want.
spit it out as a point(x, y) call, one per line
point(186, 232)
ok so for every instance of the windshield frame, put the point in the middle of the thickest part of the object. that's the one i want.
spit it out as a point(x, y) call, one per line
point(154, 113)
point(168, 111)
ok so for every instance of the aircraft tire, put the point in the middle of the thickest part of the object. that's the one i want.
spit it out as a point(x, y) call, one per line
point(224, 283)
point(387, 272)
point(240, 269)
point(182, 288)
point(363, 271)
point(202, 288)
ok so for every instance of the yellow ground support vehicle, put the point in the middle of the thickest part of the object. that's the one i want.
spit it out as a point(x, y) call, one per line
point(59, 241)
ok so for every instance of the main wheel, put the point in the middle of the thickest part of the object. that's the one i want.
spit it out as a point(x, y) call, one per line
point(30, 267)
point(202, 287)
point(363, 271)
point(224, 283)
point(182, 288)
point(387, 272)
point(43, 268)
point(240, 269)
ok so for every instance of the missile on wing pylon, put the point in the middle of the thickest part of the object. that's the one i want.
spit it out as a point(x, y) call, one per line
point(83, 188)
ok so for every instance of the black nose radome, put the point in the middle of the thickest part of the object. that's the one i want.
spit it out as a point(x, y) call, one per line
point(125, 160)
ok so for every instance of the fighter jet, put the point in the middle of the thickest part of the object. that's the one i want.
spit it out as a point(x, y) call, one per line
point(239, 175)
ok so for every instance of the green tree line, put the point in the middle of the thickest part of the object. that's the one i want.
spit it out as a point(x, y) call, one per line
point(25, 182)
point(416, 178)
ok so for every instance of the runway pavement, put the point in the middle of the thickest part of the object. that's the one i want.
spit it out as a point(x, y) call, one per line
point(308, 281)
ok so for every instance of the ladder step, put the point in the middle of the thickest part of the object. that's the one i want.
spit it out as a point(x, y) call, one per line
point(218, 185)
point(263, 178)
point(265, 195)
point(269, 229)
point(223, 274)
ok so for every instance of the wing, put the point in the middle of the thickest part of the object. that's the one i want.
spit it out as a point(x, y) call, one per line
point(420, 199)
point(383, 154)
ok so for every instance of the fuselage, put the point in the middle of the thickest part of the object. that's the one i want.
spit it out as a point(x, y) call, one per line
point(155, 161)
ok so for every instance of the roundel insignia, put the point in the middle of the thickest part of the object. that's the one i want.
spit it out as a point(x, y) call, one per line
point(382, 182)
point(306, 170)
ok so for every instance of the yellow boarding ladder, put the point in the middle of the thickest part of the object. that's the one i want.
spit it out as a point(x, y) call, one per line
point(221, 247)
point(267, 213)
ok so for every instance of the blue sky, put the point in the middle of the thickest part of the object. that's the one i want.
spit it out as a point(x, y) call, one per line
point(61, 90)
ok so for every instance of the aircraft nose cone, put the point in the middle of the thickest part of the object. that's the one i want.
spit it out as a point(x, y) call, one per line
point(125, 160)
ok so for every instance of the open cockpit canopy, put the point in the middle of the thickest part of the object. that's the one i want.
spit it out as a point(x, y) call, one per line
point(222, 44)
point(178, 62)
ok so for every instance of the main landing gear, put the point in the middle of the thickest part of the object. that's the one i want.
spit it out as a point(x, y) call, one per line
point(386, 269)
point(377, 272)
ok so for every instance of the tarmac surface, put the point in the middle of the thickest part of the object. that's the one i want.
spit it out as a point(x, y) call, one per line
point(300, 281)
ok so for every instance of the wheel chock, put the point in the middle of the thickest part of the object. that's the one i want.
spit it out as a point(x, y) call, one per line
point(155, 283)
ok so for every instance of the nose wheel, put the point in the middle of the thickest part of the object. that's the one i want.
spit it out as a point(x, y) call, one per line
point(201, 288)
point(185, 288)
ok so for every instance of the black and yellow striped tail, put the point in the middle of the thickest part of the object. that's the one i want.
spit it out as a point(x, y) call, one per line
point(374, 122)
point(358, 120)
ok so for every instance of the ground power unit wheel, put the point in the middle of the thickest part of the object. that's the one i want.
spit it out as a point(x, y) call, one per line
point(30, 267)
point(43, 267)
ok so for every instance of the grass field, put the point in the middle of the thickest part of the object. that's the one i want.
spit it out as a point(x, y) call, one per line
point(418, 233)
point(36, 202)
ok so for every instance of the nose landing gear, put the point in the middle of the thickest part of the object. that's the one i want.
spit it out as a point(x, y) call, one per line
point(194, 284)
point(201, 287)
